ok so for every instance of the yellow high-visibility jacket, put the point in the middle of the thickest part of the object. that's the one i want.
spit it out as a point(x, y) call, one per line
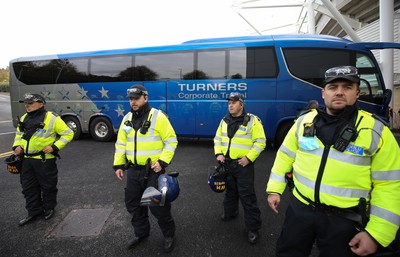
point(248, 140)
point(369, 168)
point(54, 126)
point(159, 143)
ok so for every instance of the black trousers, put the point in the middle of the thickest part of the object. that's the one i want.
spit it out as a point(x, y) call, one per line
point(304, 226)
point(240, 185)
point(135, 187)
point(39, 184)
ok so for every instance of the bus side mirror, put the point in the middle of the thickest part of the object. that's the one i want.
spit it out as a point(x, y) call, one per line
point(387, 97)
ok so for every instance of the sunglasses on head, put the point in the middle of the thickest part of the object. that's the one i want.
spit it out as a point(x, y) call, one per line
point(345, 71)
point(135, 92)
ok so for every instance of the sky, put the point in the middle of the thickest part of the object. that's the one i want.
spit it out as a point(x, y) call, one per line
point(46, 27)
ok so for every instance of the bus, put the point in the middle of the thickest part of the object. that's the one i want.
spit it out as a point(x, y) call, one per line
point(278, 74)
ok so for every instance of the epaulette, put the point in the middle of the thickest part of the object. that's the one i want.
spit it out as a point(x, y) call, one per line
point(166, 115)
point(380, 119)
point(55, 114)
point(255, 116)
point(373, 115)
point(305, 112)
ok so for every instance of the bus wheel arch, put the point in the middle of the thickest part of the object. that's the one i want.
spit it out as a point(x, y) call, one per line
point(101, 129)
point(74, 124)
point(281, 132)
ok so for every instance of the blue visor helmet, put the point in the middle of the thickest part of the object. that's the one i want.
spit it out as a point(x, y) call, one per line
point(168, 190)
point(217, 178)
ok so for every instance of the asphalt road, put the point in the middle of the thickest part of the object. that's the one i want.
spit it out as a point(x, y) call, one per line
point(87, 182)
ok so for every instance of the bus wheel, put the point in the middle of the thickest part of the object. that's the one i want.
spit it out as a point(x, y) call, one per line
point(101, 129)
point(73, 123)
point(281, 133)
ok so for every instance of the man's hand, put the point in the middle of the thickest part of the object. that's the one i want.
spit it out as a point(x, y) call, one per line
point(119, 173)
point(156, 167)
point(48, 149)
point(221, 158)
point(19, 150)
point(363, 244)
point(273, 202)
point(243, 161)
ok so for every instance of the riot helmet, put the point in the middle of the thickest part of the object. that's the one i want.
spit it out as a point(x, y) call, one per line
point(217, 178)
point(14, 163)
point(168, 190)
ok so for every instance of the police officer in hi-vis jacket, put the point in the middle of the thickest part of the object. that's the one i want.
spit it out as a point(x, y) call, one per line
point(345, 167)
point(238, 142)
point(40, 136)
point(146, 142)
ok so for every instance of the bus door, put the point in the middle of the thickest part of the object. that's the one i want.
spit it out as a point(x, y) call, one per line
point(261, 100)
point(209, 113)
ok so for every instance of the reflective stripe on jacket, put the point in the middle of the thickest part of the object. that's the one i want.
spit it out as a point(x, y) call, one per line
point(248, 140)
point(53, 126)
point(369, 168)
point(159, 143)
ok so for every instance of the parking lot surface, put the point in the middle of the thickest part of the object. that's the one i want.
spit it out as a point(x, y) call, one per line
point(87, 184)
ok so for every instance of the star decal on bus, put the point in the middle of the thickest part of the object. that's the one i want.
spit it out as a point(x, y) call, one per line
point(83, 93)
point(46, 94)
point(64, 94)
point(120, 111)
point(77, 109)
point(106, 107)
point(96, 110)
point(57, 109)
point(104, 92)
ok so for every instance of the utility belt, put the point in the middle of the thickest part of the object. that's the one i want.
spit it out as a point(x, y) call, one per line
point(131, 165)
point(358, 213)
point(42, 155)
point(146, 167)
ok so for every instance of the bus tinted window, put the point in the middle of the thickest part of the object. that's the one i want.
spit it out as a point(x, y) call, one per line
point(109, 69)
point(237, 64)
point(364, 61)
point(74, 71)
point(163, 66)
point(319, 60)
point(212, 64)
point(52, 71)
point(38, 72)
point(261, 62)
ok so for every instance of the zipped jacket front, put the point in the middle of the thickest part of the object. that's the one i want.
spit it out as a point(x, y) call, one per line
point(249, 140)
point(54, 133)
point(158, 143)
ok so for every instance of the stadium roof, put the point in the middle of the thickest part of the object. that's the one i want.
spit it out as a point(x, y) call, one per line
point(291, 16)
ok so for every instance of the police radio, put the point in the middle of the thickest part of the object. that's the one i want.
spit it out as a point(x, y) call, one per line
point(146, 125)
point(347, 135)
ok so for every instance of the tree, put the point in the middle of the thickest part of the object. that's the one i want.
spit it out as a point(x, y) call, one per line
point(4, 74)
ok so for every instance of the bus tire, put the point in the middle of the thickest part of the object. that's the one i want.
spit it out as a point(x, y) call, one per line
point(101, 129)
point(74, 124)
point(281, 133)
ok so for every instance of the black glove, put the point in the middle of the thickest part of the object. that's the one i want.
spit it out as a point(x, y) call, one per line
point(221, 171)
